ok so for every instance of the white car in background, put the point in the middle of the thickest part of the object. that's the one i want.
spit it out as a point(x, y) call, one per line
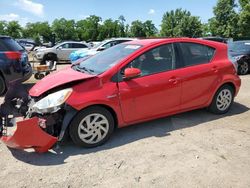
point(84, 53)
point(59, 52)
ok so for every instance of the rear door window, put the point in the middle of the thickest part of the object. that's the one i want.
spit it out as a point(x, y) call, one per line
point(67, 45)
point(195, 54)
point(77, 45)
point(8, 44)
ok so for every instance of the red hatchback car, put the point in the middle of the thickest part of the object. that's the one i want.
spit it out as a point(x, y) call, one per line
point(132, 82)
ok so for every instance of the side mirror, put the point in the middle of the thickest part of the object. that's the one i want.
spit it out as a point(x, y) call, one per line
point(59, 48)
point(130, 73)
point(101, 48)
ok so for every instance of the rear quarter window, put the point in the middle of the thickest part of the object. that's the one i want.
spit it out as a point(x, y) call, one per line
point(195, 54)
point(8, 44)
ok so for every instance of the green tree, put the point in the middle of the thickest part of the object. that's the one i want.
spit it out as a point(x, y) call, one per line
point(243, 3)
point(109, 29)
point(244, 18)
point(137, 29)
point(88, 29)
point(205, 30)
point(3, 25)
point(122, 21)
point(149, 28)
point(180, 23)
point(64, 29)
point(224, 23)
point(38, 30)
point(14, 29)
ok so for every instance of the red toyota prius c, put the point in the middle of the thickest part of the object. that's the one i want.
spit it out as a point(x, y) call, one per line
point(129, 83)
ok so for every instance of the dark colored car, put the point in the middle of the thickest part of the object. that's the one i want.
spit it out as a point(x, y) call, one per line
point(216, 39)
point(14, 64)
point(240, 52)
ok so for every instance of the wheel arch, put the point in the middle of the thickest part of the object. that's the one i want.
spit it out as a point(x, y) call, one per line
point(50, 54)
point(230, 83)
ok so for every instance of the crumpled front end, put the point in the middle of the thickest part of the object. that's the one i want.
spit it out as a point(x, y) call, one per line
point(29, 134)
point(46, 119)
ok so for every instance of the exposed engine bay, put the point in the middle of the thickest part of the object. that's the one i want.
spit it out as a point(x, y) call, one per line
point(19, 105)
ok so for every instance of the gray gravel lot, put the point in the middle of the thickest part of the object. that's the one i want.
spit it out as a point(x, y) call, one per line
point(193, 149)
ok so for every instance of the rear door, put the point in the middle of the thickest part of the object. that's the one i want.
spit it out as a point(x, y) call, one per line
point(157, 91)
point(199, 75)
point(64, 50)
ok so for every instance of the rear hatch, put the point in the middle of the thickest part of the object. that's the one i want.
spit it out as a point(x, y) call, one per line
point(14, 52)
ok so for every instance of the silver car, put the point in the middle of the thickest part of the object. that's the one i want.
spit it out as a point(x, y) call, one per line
point(59, 52)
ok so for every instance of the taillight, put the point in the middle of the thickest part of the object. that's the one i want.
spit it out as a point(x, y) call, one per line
point(13, 55)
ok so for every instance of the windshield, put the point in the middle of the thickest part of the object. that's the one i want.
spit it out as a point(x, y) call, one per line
point(104, 60)
point(239, 46)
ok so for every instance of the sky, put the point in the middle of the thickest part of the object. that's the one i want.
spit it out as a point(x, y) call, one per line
point(47, 10)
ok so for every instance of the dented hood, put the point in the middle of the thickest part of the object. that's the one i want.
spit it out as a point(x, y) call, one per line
point(57, 79)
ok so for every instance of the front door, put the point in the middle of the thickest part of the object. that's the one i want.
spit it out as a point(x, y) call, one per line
point(157, 91)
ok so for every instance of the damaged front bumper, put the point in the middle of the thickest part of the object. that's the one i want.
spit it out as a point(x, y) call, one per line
point(29, 134)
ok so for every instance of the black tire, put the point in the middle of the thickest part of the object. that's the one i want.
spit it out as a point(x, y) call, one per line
point(219, 102)
point(39, 76)
point(2, 86)
point(243, 67)
point(49, 57)
point(79, 126)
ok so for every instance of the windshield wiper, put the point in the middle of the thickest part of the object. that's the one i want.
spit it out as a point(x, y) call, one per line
point(84, 69)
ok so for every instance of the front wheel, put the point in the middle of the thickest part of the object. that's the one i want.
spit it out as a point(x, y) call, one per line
point(92, 127)
point(222, 100)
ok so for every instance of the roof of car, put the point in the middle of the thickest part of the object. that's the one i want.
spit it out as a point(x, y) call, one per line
point(72, 41)
point(184, 39)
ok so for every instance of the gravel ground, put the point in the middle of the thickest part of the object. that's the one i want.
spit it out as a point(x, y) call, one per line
point(194, 149)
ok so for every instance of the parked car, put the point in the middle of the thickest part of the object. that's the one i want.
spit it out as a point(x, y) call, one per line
point(216, 39)
point(14, 64)
point(28, 45)
point(129, 83)
point(240, 52)
point(59, 52)
point(97, 48)
point(94, 43)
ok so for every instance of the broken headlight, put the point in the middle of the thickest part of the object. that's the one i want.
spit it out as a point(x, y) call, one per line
point(52, 102)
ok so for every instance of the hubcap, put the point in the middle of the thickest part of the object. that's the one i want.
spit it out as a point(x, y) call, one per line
point(244, 68)
point(224, 99)
point(93, 128)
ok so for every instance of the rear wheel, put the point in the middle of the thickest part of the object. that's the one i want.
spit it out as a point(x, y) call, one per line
point(2, 86)
point(92, 127)
point(243, 68)
point(222, 100)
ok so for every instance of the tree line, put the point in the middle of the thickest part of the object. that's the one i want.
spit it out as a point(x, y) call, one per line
point(231, 20)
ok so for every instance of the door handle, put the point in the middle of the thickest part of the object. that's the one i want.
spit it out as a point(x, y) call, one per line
point(215, 69)
point(174, 80)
